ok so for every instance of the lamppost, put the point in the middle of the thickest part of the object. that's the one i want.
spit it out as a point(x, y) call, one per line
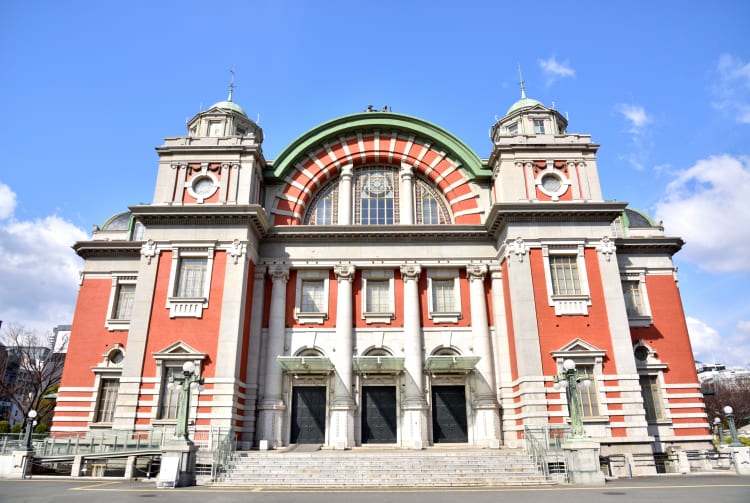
point(568, 380)
point(184, 385)
point(717, 424)
point(729, 413)
point(30, 422)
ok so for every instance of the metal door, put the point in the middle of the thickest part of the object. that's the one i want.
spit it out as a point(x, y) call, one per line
point(449, 414)
point(379, 415)
point(308, 415)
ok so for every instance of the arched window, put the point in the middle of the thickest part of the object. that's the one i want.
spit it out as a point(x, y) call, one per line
point(430, 208)
point(324, 207)
point(376, 200)
point(376, 196)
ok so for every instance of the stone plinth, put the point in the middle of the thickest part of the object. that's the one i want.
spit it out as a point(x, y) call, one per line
point(582, 459)
point(177, 465)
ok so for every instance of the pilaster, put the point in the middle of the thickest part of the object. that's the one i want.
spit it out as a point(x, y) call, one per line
point(342, 408)
point(413, 403)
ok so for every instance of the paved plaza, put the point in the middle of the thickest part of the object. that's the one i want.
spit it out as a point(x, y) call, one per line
point(661, 489)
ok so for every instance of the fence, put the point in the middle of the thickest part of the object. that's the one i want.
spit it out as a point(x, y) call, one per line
point(544, 445)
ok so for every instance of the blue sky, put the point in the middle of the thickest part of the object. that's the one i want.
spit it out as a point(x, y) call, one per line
point(90, 88)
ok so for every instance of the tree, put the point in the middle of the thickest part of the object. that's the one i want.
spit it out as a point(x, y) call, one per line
point(732, 392)
point(30, 372)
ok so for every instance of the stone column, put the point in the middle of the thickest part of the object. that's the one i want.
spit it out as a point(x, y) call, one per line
point(406, 207)
point(253, 357)
point(272, 406)
point(345, 195)
point(413, 403)
point(484, 402)
point(342, 409)
point(501, 347)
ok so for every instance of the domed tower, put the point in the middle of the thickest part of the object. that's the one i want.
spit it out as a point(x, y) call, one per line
point(535, 159)
point(220, 161)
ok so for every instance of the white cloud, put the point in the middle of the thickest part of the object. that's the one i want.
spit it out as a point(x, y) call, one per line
point(707, 206)
point(39, 270)
point(7, 201)
point(732, 90)
point(638, 119)
point(705, 340)
point(743, 326)
point(554, 70)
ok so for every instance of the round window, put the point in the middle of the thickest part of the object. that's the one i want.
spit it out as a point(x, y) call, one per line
point(116, 357)
point(641, 353)
point(551, 183)
point(203, 186)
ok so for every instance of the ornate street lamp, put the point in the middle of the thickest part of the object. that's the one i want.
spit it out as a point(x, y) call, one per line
point(729, 413)
point(30, 422)
point(717, 424)
point(184, 385)
point(568, 380)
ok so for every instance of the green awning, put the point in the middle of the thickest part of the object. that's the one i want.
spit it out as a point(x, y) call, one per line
point(378, 364)
point(306, 364)
point(450, 363)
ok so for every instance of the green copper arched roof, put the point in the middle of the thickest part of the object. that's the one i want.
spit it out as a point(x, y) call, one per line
point(229, 105)
point(369, 121)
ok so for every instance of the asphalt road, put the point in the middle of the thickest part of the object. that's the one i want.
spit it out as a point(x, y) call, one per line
point(662, 489)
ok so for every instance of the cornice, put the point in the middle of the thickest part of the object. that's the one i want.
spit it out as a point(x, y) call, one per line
point(502, 214)
point(108, 249)
point(669, 245)
point(252, 214)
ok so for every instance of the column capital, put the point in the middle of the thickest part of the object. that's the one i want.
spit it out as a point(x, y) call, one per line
point(496, 271)
point(279, 272)
point(407, 170)
point(260, 272)
point(476, 271)
point(347, 171)
point(344, 272)
point(411, 271)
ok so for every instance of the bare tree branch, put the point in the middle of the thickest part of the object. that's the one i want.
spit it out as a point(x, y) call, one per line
point(30, 371)
point(735, 393)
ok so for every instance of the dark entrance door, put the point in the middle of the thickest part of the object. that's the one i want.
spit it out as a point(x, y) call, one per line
point(379, 415)
point(308, 415)
point(449, 414)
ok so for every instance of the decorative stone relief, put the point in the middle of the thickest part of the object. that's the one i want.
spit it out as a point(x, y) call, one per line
point(606, 247)
point(237, 250)
point(148, 250)
point(516, 247)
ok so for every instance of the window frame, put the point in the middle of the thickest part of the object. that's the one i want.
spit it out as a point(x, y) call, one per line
point(539, 126)
point(106, 369)
point(591, 358)
point(189, 307)
point(567, 304)
point(373, 316)
point(447, 316)
point(362, 177)
point(174, 356)
point(657, 395)
point(311, 275)
point(118, 280)
point(106, 402)
point(644, 318)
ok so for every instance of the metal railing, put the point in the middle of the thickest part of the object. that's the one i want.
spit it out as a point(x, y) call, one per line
point(10, 442)
point(544, 445)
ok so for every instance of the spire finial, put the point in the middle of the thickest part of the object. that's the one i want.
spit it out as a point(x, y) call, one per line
point(520, 76)
point(231, 84)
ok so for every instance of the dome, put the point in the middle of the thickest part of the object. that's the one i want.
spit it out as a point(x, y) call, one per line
point(231, 106)
point(523, 103)
point(118, 222)
point(635, 218)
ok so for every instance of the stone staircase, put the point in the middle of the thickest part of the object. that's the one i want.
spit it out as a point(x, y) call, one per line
point(368, 467)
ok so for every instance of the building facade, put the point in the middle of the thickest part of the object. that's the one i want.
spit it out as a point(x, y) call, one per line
point(379, 283)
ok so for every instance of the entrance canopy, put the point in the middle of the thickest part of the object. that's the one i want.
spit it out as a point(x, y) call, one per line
point(306, 364)
point(378, 364)
point(445, 364)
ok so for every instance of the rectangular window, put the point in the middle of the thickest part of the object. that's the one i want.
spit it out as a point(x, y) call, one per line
point(313, 296)
point(170, 398)
point(192, 276)
point(589, 395)
point(652, 402)
point(443, 295)
point(124, 302)
point(105, 406)
point(565, 278)
point(538, 126)
point(513, 128)
point(633, 298)
point(215, 128)
point(378, 296)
